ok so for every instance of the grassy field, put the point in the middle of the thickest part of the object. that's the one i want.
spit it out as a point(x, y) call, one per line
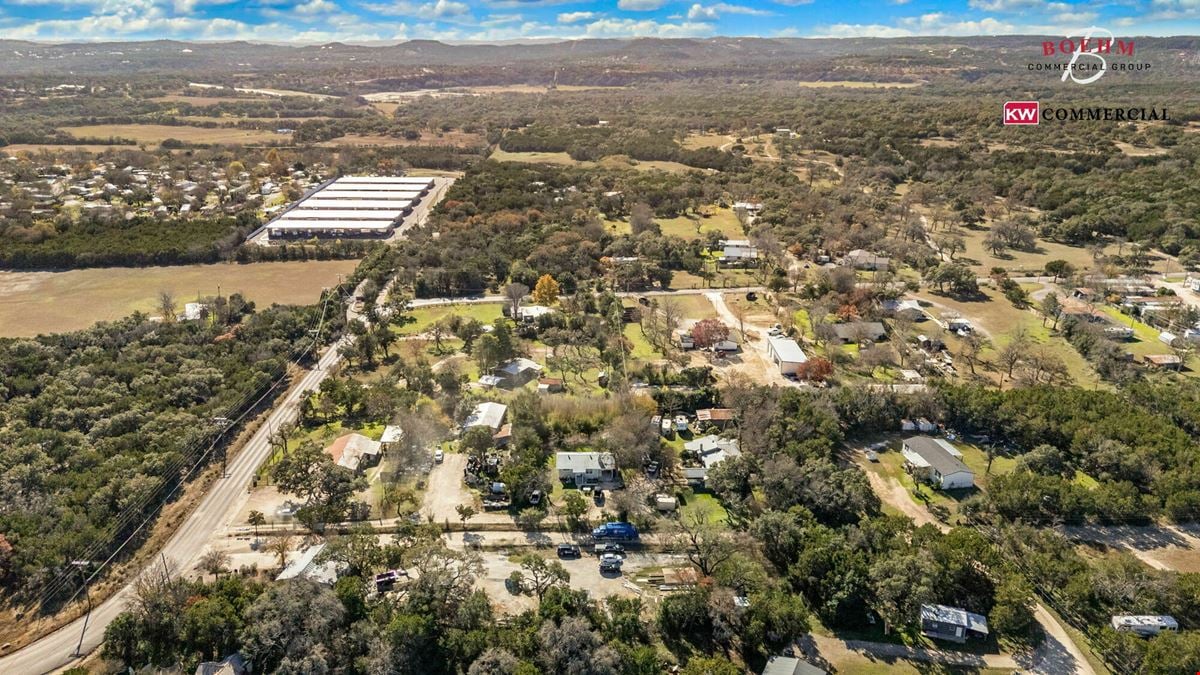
point(1000, 319)
point(486, 312)
point(157, 133)
point(18, 148)
point(51, 302)
point(1145, 340)
point(711, 219)
point(610, 162)
point(698, 141)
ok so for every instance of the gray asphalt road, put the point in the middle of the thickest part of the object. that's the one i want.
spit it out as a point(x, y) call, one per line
point(214, 513)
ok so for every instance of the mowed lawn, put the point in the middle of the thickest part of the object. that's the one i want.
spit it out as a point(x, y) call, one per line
point(157, 133)
point(712, 219)
point(52, 302)
point(424, 317)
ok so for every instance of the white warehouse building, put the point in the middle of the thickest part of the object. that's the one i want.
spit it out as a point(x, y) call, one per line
point(352, 206)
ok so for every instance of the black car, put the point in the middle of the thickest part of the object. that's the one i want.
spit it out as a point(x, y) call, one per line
point(568, 551)
point(598, 497)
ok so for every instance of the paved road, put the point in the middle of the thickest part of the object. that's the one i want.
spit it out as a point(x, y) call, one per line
point(215, 512)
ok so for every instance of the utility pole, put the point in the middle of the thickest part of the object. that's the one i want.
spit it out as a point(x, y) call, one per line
point(80, 565)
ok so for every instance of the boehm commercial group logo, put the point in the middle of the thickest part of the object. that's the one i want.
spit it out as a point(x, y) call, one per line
point(1092, 52)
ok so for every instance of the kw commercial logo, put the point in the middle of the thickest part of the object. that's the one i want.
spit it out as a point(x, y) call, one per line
point(1022, 112)
point(1032, 112)
point(1093, 51)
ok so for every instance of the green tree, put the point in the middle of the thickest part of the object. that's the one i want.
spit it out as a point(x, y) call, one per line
point(574, 508)
point(541, 574)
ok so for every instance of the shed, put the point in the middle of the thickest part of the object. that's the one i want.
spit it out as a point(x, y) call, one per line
point(392, 435)
point(951, 623)
point(786, 354)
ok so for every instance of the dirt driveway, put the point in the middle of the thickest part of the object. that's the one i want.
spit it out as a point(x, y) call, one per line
point(753, 359)
point(447, 490)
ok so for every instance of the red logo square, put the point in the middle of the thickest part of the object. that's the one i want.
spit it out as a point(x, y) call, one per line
point(1022, 112)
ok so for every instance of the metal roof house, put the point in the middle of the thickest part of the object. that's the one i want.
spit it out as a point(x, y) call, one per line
point(487, 414)
point(585, 468)
point(951, 623)
point(937, 462)
point(786, 354)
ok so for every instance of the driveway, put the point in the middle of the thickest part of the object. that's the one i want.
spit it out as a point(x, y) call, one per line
point(754, 359)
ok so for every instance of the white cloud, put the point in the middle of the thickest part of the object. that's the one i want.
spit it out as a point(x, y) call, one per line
point(640, 5)
point(646, 28)
point(935, 23)
point(575, 17)
point(441, 9)
point(700, 12)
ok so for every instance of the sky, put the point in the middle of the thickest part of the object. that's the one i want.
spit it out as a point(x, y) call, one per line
point(316, 21)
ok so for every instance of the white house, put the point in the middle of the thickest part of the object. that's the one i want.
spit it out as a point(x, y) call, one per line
point(712, 450)
point(786, 354)
point(487, 414)
point(937, 462)
point(866, 260)
point(738, 250)
point(585, 468)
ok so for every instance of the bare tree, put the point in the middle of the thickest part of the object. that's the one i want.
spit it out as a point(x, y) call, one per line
point(515, 293)
point(280, 546)
point(708, 546)
point(167, 305)
point(215, 562)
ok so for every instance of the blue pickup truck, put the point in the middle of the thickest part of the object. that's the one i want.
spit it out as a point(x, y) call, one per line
point(619, 531)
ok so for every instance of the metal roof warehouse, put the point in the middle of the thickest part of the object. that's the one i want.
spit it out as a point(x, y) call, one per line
point(351, 206)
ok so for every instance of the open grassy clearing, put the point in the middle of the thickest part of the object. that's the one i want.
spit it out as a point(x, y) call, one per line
point(54, 302)
point(610, 162)
point(1000, 319)
point(1146, 340)
point(712, 219)
point(201, 100)
point(157, 133)
point(19, 148)
point(1033, 262)
point(424, 317)
point(698, 141)
point(483, 90)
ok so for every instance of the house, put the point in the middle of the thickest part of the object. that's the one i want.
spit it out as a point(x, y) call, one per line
point(1163, 361)
point(305, 566)
point(517, 372)
point(550, 385)
point(354, 451)
point(785, 353)
point(717, 417)
point(487, 414)
point(859, 331)
point(711, 450)
point(906, 309)
point(937, 462)
point(585, 468)
point(736, 251)
point(531, 313)
point(233, 664)
point(1144, 625)
point(866, 260)
point(951, 623)
point(390, 440)
point(790, 665)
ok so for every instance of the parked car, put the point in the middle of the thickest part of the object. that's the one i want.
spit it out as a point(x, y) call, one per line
point(872, 456)
point(535, 497)
point(598, 497)
point(568, 551)
point(439, 455)
point(611, 562)
point(609, 547)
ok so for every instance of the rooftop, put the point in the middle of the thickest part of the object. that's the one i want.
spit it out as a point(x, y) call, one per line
point(955, 617)
point(926, 451)
point(580, 462)
point(786, 349)
point(488, 414)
